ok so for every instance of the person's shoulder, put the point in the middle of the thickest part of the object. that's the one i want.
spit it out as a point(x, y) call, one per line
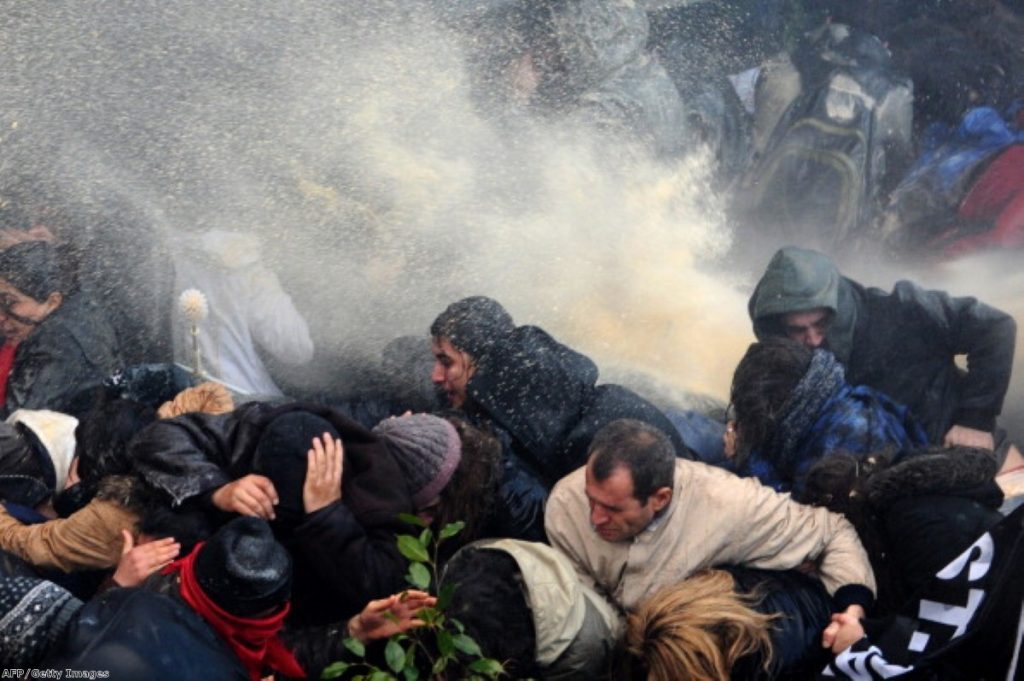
point(568, 489)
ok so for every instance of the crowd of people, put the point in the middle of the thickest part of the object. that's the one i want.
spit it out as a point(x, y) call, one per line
point(857, 469)
point(848, 515)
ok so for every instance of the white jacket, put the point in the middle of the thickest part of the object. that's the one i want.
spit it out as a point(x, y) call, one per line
point(247, 307)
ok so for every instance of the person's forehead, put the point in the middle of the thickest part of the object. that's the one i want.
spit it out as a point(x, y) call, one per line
point(615, 490)
point(443, 346)
point(807, 316)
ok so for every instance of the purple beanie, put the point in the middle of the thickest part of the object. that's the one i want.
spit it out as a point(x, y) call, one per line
point(428, 450)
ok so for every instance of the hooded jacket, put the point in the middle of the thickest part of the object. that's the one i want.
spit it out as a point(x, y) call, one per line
point(545, 396)
point(901, 343)
point(575, 627)
point(602, 45)
point(71, 351)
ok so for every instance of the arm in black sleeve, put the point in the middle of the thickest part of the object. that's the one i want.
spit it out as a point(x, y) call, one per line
point(354, 564)
point(987, 337)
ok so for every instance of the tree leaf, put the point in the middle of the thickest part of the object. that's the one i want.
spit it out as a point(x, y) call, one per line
point(355, 646)
point(411, 673)
point(381, 676)
point(426, 536)
point(452, 529)
point(466, 644)
point(410, 547)
point(444, 598)
point(445, 644)
point(488, 667)
point(419, 576)
point(394, 655)
point(333, 671)
point(411, 519)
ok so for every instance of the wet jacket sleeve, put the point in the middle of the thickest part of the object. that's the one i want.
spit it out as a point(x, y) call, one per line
point(48, 374)
point(987, 337)
point(356, 564)
point(276, 325)
point(185, 457)
point(88, 539)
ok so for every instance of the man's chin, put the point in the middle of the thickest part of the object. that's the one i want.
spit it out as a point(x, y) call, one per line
point(609, 535)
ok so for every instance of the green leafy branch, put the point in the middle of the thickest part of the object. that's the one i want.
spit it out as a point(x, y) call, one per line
point(429, 651)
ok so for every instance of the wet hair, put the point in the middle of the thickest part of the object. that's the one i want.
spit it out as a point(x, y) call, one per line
point(638, 447)
point(469, 495)
point(761, 386)
point(34, 268)
point(489, 599)
point(697, 629)
point(103, 435)
point(473, 324)
point(188, 526)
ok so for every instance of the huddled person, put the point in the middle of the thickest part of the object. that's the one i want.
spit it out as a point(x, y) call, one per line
point(540, 397)
point(58, 347)
point(903, 343)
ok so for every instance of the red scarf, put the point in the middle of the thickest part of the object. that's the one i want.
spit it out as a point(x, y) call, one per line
point(7, 351)
point(253, 640)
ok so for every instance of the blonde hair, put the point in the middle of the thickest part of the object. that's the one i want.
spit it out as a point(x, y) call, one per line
point(697, 630)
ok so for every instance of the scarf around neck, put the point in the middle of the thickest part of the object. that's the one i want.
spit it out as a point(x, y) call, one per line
point(824, 378)
point(254, 640)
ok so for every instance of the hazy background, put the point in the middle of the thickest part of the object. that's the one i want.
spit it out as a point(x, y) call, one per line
point(350, 138)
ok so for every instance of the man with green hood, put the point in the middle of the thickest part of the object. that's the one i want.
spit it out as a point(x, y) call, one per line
point(902, 343)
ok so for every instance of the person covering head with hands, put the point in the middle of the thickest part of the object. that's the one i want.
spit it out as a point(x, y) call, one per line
point(902, 343)
point(635, 518)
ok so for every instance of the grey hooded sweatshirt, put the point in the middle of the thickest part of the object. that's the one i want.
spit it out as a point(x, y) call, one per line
point(617, 83)
point(902, 343)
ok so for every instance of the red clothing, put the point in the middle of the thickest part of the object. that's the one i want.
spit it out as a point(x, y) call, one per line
point(7, 351)
point(996, 198)
point(254, 640)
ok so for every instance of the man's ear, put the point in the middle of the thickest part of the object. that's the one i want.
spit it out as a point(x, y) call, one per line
point(661, 498)
point(54, 300)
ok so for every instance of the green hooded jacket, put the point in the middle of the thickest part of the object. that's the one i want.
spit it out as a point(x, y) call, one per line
point(902, 343)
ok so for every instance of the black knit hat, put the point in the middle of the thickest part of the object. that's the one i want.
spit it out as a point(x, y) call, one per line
point(33, 268)
point(243, 569)
point(281, 456)
point(473, 324)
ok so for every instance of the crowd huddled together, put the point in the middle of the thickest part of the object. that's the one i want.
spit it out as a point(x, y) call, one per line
point(850, 513)
point(157, 524)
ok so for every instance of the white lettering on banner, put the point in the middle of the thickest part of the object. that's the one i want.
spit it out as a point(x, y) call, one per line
point(953, 615)
point(860, 665)
point(979, 566)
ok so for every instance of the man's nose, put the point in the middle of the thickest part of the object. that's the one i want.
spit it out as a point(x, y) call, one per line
point(437, 375)
point(814, 338)
point(598, 517)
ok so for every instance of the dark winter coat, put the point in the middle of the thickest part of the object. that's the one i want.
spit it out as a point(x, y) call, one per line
point(914, 512)
point(825, 415)
point(70, 352)
point(901, 343)
point(344, 554)
point(140, 634)
point(545, 395)
point(805, 608)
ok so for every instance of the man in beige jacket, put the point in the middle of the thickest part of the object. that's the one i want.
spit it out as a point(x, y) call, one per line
point(636, 518)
